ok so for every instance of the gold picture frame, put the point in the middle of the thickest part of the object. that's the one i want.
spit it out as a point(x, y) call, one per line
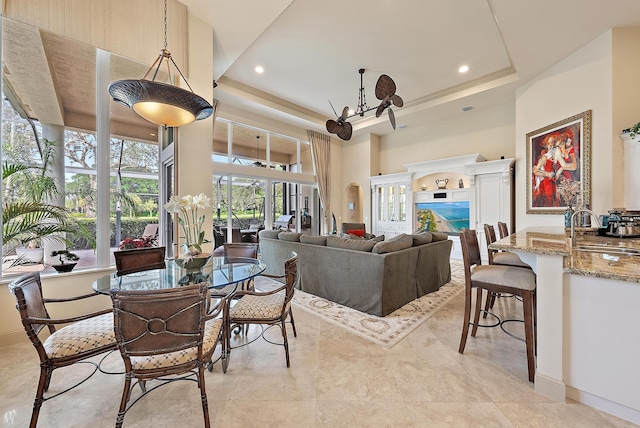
point(558, 165)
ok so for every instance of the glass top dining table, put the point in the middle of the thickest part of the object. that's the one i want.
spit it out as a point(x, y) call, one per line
point(219, 272)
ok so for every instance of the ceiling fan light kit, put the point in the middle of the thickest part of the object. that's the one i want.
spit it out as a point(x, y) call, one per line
point(161, 103)
point(385, 91)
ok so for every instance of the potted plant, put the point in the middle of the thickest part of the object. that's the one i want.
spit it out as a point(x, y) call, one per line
point(633, 131)
point(68, 260)
point(26, 218)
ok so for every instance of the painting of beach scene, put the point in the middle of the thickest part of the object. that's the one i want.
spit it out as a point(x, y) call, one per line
point(447, 217)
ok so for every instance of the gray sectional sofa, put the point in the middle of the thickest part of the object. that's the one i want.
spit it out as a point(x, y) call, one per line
point(373, 276)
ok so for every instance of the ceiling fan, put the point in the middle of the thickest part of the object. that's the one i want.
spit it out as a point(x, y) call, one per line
point(385, 92)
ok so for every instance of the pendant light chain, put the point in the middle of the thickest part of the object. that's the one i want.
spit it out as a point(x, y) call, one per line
point(164, 104)
point(165, 24)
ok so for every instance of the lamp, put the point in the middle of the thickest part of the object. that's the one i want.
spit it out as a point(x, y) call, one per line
point(161, 103)
point(257, 162)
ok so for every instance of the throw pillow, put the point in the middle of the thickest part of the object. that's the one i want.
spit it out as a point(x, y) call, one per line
point(377, 239)
point(397, 243)
point(289, 236)
point(350, 244)
point(422, 238)
point(439, 236)
point(313, 240)
point(349, 236)
point(269, 234)
point(357, 232)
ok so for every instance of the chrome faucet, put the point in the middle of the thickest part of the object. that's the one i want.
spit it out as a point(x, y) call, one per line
point(573, 224)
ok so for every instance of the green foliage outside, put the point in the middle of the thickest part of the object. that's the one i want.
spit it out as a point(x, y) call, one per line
point(130, 227)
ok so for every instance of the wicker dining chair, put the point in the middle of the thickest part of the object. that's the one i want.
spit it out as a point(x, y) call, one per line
point(267, 308)
point(82, 337)
point(140, 259)
point(165, 335)
point(496, 279)
point(236, 250)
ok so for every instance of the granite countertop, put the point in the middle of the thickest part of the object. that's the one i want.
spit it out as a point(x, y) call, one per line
point(600, 263)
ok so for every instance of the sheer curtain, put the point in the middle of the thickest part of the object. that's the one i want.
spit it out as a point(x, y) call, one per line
point(321, 154)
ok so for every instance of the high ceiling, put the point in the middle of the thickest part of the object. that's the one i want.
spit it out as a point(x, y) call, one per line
point(311, 52)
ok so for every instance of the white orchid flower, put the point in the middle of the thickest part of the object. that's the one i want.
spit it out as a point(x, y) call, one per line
point(173, 206)
point(186, 208)
point(201, 201)
point(186, 202)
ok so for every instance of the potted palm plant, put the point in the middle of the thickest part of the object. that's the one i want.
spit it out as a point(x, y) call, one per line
point(26, 218)
point(68, 260)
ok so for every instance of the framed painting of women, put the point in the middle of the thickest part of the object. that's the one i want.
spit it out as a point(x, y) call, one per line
point(559, 165)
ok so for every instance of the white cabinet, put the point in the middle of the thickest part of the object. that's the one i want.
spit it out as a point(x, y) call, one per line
point(493, 196)
point(489, 198)
point(391, 204)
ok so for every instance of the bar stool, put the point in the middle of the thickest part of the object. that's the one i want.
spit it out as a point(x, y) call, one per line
point(496, 279)
point(502, 258)
point(503, 230)
point(496, 257)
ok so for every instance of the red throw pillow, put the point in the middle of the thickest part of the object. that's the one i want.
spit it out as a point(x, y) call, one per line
point(357, 232)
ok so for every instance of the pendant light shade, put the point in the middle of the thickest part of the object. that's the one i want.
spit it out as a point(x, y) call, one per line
point(161, 103)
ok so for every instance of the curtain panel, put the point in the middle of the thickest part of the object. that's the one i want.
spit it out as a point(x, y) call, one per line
point(321, 154)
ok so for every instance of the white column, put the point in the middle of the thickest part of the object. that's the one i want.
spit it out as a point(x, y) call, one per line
point(631, 172)
point(549, 379)
point(55, 134)
point(103, 148)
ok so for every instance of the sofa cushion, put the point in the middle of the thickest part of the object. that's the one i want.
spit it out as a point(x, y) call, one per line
point(439, 236)
point(313, 240)
point(269, 234)
point(422, 238)
point(289, 236)
point(350, 244)
point(377, 239)
point(357, 232)
point(397, 243)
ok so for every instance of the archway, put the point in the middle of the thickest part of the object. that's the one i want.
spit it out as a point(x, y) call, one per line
point(354, 203)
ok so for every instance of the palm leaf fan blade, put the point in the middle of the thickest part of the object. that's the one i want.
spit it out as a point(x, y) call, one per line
point(385, 87)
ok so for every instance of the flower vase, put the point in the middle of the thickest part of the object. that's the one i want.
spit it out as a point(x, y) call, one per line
point(193, 265)
point(567, 216)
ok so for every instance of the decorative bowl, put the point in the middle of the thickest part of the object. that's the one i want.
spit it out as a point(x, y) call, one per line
point(193, 263)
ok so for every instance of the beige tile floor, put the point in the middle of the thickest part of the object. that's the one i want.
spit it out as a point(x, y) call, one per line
point(336, 379)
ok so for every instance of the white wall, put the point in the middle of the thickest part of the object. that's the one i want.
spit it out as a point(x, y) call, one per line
point(356, 166)
point(489, 132)
point(54, 286)
point(626, 100)
point(580, 82)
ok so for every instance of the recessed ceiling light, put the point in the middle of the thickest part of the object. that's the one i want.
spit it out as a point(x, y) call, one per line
point(463, 69)
point(259, 69)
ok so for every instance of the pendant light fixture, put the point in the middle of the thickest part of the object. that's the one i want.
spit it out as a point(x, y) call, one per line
point(257, 162)
point(161, 103)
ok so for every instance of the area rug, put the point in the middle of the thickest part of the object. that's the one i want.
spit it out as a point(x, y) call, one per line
point(384, 331)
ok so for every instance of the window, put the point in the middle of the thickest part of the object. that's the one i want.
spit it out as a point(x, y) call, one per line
point(134, 187)
point(265, 171)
